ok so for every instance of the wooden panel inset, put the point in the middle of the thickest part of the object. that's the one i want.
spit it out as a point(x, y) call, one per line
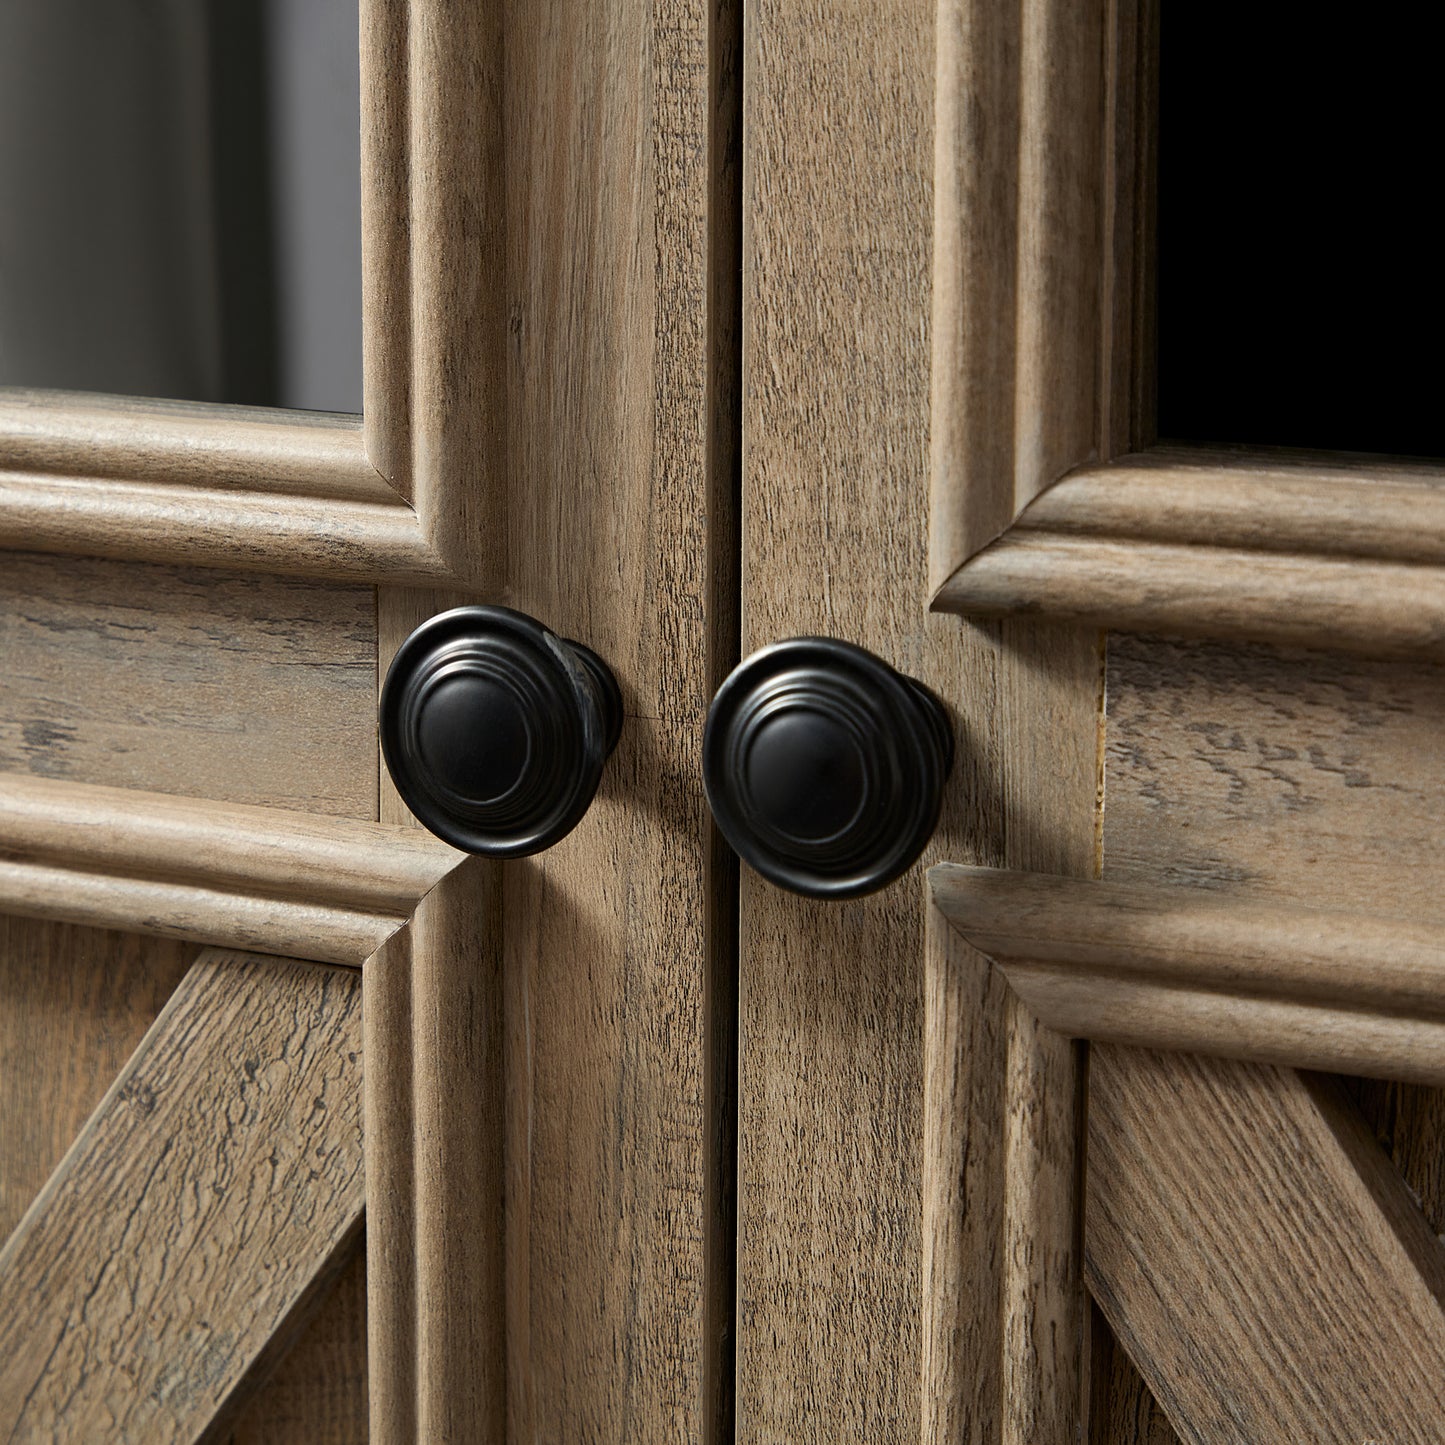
point(1259, 1257)
point(74, 1004)
point(1250, 771)
point(207, 1197)
point(248, 689)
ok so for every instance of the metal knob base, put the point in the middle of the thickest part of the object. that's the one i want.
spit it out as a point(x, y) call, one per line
point(495, 730)
point(825, 767)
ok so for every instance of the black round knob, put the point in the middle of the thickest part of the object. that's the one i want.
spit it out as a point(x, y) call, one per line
point(825, 767)
point(495, 730)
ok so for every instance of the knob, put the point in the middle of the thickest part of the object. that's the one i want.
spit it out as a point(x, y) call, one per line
point(825, 767)
point(495, 730)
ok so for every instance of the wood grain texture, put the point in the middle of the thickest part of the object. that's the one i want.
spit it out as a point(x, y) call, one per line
point(1307, 778)
point(390, 1193)
point(386, 241)
point(187, 444)
point(74, 1004)
point(1185, 969)
point(621, 456)
point(244, 689)
point(1017, 261)
point(293, 883)
point(457, 1157)
point(457, 223)
point(271, 532)
point(1121, 1409)
point(1243, 1228)
point(837, 1088)
point(1287, 547)
point(317, 1393)
point(242, 1103)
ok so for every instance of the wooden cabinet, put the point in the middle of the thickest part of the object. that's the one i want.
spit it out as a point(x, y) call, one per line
point(690, 328)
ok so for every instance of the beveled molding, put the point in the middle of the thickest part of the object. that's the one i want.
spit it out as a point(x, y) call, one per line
point(1187, 970)
point(411, 493)
point(1048, 495)
point(260, 879)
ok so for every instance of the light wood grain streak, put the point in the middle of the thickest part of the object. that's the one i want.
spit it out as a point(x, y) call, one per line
point(185, 444)
point(254, 531)
point(1017, 261)
point(457, 1159)
point(1174, 968)
point(386, 241)
point(212, 1190)
point(243, 688)
point(457, 232)
point(616, 970)
point(391, 1324)
point(1307, 778)
point(1243, 1231)
point(257, 878)
point(1288, 548)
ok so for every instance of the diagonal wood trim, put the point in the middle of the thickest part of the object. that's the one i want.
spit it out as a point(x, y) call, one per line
point(202, 1206)
point(327, 888)
point(1258, 1255)
point(1285, 547)
point(1183, 969)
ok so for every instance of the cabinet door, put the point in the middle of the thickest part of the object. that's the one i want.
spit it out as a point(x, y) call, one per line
point(1035, 1147)
point(216, 898)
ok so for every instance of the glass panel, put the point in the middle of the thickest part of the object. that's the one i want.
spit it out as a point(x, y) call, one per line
point(179, 199)
point(1301, 294)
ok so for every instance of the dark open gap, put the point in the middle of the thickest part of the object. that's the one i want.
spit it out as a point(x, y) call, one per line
point(1300, 286)
point(724, 599)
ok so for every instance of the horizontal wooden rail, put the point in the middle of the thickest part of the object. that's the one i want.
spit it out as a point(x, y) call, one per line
point(1178, 968)
point(1289, 548)
point(212, 486)
point(331, 889)
point(241, 448)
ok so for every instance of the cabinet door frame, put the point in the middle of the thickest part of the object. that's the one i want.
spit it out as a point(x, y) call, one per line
point(413, 492)
point(1051, 499)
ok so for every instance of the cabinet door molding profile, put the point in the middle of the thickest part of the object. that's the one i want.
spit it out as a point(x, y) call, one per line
point(1202, 1200)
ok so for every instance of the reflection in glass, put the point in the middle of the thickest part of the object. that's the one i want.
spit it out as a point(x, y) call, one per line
point(179, 199)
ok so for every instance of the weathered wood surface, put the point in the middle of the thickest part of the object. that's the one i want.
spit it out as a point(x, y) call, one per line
point(191, 444)
point(317, 1394)
point(1243, 1229)
point(207, 1197)
point(621, 275)
point(1287, 547)
point(1264, 774)
point(257, 878)
point(836, 1087)
point(1185, 968)
point(1018, 263)
point(244, 689)
point(74, 1004)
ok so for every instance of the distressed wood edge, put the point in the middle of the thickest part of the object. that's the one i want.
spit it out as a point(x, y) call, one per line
point(1295, 549)
point(433, 328)
point(261, 879)
point(1002, 1209)
point(274, 1345)
point(1020, 364)
point(1179, 970)
point(1309, 1123)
